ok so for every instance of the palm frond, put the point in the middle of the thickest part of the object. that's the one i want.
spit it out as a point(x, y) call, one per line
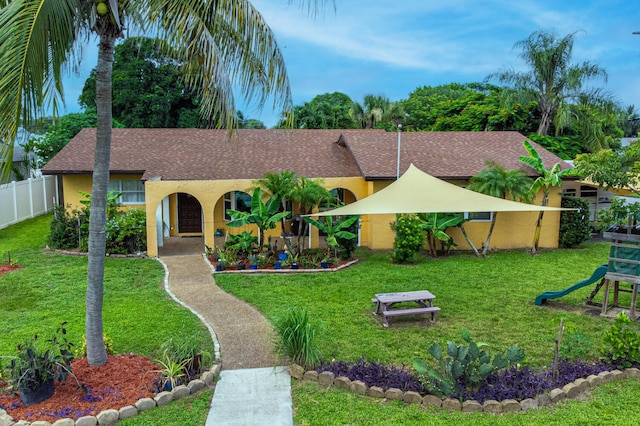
point(225, 45)
point(36, 42)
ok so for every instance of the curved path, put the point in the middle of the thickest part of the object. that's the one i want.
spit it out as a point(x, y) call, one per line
point(251, 389)
point(244, 334)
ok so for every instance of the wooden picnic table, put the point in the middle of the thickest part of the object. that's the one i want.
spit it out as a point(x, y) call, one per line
point(386, 303)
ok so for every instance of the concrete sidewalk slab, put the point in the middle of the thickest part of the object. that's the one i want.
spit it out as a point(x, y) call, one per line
point(248, 397)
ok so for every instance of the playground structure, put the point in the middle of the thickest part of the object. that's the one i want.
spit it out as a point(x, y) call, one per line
point(623, 267)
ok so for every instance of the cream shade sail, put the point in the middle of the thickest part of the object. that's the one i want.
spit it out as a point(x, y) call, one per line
point(419, 192)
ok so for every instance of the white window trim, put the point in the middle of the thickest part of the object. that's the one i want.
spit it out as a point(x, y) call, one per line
point(116, 185)
point(466, 216)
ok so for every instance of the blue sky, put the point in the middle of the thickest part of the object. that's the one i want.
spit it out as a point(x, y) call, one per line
point(392, 48)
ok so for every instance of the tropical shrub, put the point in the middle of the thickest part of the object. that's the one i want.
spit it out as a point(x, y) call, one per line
point(409, 238)
point(463, 365)
point(574, 224)
point(64, 230)
point(621, 343)
point(126, 230)
point(296, 337)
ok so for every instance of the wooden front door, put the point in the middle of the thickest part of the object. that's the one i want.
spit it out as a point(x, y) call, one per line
point(189, 214)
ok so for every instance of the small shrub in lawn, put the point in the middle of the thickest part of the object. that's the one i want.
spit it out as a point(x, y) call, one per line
point(373, 374)
point(296, 338)
point(575, 345)
point(621, 344)
point(409, 238)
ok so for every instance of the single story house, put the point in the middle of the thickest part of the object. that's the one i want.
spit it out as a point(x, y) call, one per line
point(186, 179)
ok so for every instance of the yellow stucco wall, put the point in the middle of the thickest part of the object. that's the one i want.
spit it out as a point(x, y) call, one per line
point(513, 230)
point(72, 184)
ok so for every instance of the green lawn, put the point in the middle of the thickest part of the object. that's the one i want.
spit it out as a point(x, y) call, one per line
point(492, 297)
point(138, 313)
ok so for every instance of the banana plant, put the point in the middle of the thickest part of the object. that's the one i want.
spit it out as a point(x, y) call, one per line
point(334, 230)
point(435, 225)
point(264, 215)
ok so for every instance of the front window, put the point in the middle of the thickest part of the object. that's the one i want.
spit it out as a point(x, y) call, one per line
point(132, 191)
point(479, 216)
point(236, 200)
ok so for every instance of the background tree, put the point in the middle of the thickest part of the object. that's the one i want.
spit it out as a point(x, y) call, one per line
point(549, 178)
point(612, 169)
point(59, 134)
point(248, 123)
point(217, 43)
point(494, 180)
point(148, 88)
point(326, 111)
point(465, 107)
point(552, 80)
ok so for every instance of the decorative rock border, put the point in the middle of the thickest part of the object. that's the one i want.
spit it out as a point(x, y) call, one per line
point(570, 390)
point(113, 416)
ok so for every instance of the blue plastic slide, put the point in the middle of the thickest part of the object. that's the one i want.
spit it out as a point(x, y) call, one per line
point(598, 274)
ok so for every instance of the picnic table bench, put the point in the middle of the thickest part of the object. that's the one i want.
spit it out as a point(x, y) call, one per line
point(385, 303)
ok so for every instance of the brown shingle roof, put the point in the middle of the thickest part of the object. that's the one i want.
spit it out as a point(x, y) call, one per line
point(195, 154)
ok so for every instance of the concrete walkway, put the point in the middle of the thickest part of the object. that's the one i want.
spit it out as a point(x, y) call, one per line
point(251, 390)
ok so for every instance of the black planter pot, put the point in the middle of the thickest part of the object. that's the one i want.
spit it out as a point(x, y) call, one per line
point(39, 394)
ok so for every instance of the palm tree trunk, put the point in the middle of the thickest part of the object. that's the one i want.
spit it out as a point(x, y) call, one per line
point(538, 231)
point(96, 352)
point(466, 237)
point(485, 249)
point(545, 123)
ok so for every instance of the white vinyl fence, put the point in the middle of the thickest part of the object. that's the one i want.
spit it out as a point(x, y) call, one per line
point(26, 199)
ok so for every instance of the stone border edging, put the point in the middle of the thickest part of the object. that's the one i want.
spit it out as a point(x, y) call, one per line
point(113, 416)
point(570, 390)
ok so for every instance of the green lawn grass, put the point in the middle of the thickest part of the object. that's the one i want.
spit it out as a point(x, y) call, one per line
point(138, 314)
point(492, 297)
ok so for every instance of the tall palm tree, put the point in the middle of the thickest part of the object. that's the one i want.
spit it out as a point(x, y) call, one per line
point(547, 179)
point(371, 112)
point(308, 193)
point(281, 186)
point(220, 43)
point(552, 79)
point(494, 180)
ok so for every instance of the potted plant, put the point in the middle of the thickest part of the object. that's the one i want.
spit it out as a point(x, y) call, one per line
point(253, 261)
point(294, 260)
point(34, 369)
point(172, 371)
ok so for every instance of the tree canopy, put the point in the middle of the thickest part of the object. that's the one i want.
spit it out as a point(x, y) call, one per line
point(552, 80)
point(465, 107)
point(148, 88)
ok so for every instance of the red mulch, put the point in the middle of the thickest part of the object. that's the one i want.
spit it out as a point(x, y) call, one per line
point(6, 267)
point(120, 382)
